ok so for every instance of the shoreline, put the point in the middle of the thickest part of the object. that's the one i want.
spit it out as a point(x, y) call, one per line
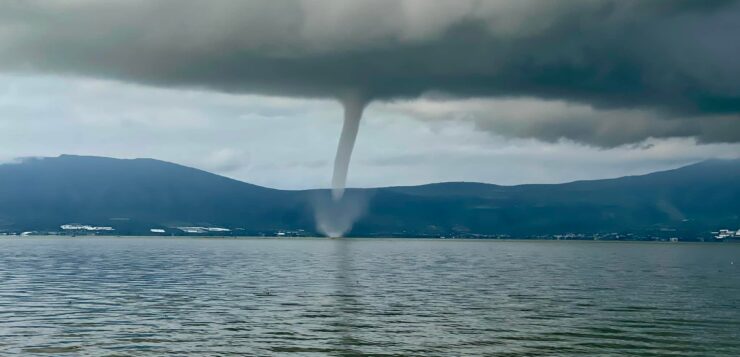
point(317, 238)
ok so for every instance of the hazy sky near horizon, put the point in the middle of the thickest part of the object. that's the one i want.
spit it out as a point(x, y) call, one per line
point(507, 91)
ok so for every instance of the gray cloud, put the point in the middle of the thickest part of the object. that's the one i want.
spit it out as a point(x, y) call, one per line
point(675, 61)
point(552, 121)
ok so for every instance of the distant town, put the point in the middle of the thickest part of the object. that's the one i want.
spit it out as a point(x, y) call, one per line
point(665, 235)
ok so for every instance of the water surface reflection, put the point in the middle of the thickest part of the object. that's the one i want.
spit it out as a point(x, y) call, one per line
point(140, 296)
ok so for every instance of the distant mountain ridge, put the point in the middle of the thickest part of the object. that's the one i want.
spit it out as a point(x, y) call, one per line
point(136, 195)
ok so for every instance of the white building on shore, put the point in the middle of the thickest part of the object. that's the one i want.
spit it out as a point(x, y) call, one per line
point(726, 233)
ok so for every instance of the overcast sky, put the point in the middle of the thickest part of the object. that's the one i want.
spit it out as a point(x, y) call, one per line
point(495, 91)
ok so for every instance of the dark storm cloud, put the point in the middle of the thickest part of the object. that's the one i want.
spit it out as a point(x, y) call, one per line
point(552, 121)
point(675, 58)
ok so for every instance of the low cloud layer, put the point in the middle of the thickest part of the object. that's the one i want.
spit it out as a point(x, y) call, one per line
point(610, 72)
point(553, 121)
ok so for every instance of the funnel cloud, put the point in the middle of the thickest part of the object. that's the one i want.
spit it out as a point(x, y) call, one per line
point(353, 105)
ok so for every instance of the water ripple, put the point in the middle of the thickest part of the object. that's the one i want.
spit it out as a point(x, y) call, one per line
point(140, 296)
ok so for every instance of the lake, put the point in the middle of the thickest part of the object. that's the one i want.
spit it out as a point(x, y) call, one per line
point(210, 296)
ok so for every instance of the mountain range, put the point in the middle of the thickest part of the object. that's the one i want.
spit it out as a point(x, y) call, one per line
point(134, 196)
